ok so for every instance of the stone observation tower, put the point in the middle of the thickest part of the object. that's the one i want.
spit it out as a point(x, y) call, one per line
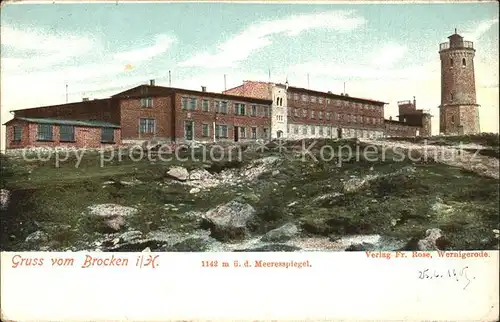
point(459, 113)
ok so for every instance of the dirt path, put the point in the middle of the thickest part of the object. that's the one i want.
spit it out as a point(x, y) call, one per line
point(450, 155)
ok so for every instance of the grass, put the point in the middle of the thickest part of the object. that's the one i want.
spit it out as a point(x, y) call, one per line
point(400, 206)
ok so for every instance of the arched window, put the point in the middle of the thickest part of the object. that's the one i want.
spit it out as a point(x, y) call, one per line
point(453, 119)
point(451, 61)
point(464, 63)
point(451, 96)
point(277, 101)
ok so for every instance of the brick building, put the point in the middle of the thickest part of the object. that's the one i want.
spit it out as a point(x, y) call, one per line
point(145, 113)
point(254, 110)
point(44, 132)
point(459, 113)
point(304, 113)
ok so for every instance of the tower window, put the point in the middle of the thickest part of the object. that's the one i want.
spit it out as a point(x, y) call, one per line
point(451, 96)
point(451, 61)
point(464, 63)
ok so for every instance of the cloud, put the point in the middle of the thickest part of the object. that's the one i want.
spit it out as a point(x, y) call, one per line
point(355, 71)
point(389, 54)
point(482, 27)
point(258, 36)
point(49, 48)
point(161, 45)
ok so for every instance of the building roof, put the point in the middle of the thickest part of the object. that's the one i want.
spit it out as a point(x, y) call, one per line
point(336, 96)
point(69, 105)
point(154, 90)
point(64, 122)
point(260, 88)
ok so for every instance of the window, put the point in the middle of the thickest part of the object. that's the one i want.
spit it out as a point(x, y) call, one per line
point(451, 96)
point(184, 103)
point(147, 125)
point(239, 109)
point(277, 101)
point(464, 62)
point(18, 133)
point(304, 130)
point(254, 110)
point(221, 131)
point(328, 131)
point(223, 107)
point(320, 130)
point(254, 132)
point(67, 133)
point(296, 97)
point(147, 102)
point(205, 105)
point(313, 99)
point(107, 135)
point(44, 132)
point(328, 101)
point(304, 98)
point(193, 102)
point(243, 132)
point(328, 115)
point(265, 111)
point(313, 115)
point(354, 118)
point(320, 100)
point(451, 62)
point(205, 131)
point(265, 133)
point(296, 112)
point(296, 129)
point(320, 115)
point(313, 129)
point(217, 106)
point(453, 119)
point(304, 112)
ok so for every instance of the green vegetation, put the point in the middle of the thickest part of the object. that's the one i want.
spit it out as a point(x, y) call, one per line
point(396, 202)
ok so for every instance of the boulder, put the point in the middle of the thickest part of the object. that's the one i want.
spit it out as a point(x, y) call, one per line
point(429, 242)
point(37, 237)
point(229, 221)
point(178, 173)
point(4, 199)
point(110, 217)
point(281, 234)
point(200, 174)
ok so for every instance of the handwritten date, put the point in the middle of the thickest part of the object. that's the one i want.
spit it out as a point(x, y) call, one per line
point(450, 274)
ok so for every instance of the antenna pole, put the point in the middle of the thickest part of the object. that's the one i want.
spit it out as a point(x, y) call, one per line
point(269, 71)
point(225, 83)
point(344, 87)
point(307, 81)
point(66, 93)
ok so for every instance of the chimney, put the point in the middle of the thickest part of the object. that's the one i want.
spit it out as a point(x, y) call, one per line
point(203, 88)
point(152, 82)
point(85, 99)
point(390, 118)
point(329, 92)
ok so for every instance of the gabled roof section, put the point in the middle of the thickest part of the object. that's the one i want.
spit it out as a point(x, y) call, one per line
point(252, 89)
point(64, 122)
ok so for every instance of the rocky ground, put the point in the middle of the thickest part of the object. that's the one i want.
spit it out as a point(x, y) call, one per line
point(276, 198)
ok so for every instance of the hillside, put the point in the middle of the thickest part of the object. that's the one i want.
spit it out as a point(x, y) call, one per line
point(368, 195)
